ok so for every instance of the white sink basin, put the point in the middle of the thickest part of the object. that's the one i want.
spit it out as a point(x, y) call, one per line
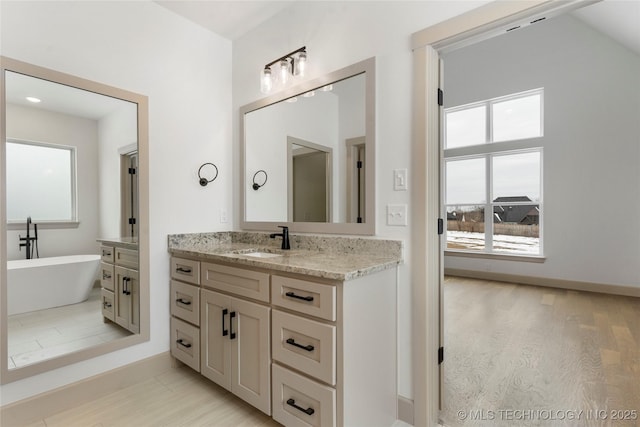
point(262, 255)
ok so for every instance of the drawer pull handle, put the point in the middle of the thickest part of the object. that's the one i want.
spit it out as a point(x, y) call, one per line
point(184, 344)
point(292, 295)
point(183, 301)
point(232, 335)
point(308, 411)
point(106, 253)
point(183, 270)
point(125, 286)
point(292, 342)
point(106, 276)
point(225, 332)
point(106, 304)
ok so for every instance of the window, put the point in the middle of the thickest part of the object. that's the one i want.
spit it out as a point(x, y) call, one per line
point(493, 192)
point(40, 182)
point(508, 118)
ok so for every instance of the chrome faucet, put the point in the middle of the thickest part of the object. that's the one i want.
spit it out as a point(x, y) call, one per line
point(284, 235)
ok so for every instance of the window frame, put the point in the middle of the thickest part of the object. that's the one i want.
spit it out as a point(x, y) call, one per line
point(488, 150)
point(72, 222)
point(488, 104)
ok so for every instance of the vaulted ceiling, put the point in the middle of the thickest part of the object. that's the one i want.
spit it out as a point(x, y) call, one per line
point(619, 19)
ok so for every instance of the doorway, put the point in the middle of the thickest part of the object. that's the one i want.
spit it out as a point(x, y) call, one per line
point(129, 194)
point(428, 45)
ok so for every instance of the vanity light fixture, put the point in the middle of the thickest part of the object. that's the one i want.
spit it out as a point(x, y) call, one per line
point(33, 99)
point(291, 64)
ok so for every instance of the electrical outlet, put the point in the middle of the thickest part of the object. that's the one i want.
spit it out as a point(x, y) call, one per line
point(397, 215)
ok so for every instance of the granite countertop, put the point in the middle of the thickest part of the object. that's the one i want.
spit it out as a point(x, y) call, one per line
point(123, 242)
point(336, 258)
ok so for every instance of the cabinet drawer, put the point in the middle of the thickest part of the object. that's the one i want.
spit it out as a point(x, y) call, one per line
point(107, 276)
point(246, 283)
point(304, 344)
point(185, 302)
point(314, 299)
point(126, 257)
point(299, 401)
point(108, 305)
point(107, 253)
point(185, 270)
point(185, 343)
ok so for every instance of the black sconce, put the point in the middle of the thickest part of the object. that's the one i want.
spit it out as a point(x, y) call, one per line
point(204, 181)
point(256, 186)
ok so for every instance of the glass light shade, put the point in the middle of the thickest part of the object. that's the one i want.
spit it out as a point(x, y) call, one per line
point(266, 82)
point(301, 64)
point(284, 72)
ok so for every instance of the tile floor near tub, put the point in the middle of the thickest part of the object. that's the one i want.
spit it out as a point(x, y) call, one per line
point(44, 334)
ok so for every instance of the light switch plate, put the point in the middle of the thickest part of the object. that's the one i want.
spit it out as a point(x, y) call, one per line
point(400, 179)
point(397, 215)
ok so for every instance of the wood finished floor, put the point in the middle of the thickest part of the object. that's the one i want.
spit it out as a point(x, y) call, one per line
point(177, 398)
point(512, 347)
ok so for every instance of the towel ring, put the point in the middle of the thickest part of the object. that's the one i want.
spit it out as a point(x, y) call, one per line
point(205, 181)
point(256, 186)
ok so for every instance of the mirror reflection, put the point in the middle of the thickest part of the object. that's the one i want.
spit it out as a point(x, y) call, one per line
point(308, 145)
point(71, 204)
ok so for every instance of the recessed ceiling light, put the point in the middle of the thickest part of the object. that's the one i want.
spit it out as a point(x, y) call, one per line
point(33, 99)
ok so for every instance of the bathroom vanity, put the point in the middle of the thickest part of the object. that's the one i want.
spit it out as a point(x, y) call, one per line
point(306, 335)
point(119, 280)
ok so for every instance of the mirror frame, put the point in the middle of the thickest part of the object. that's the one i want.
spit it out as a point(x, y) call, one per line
point(8, 375)
point(366, 67)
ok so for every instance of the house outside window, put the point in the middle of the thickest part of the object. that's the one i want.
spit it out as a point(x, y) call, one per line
point(493, 175)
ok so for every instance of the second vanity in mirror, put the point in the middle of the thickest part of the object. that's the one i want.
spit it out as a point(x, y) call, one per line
point(75, 190)
point(305, 334)
point(313, 148)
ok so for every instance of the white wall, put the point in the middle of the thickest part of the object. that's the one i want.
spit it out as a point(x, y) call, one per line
point(115, 131)
point(66, 130)
point(591, 143)
point(266, 132)
point(186, 73)
point(338, 34)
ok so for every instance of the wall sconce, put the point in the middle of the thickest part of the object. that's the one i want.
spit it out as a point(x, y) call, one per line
point(292, 64)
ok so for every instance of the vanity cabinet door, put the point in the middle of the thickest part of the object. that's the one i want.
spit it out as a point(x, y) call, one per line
point(127, 296)
point(234, 347)
point(215, 346)
point(251, 355)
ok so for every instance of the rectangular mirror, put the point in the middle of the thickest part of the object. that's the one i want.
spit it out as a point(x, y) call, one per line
point(308, 155)
point(71, 199)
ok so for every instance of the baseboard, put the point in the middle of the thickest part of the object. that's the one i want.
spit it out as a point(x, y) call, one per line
point(46, 404)
point(629, 291)
point(405, 410)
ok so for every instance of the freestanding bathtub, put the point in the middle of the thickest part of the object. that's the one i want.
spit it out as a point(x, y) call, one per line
point(36, 284)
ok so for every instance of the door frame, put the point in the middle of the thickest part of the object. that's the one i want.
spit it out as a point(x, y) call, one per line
point(427, 253)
